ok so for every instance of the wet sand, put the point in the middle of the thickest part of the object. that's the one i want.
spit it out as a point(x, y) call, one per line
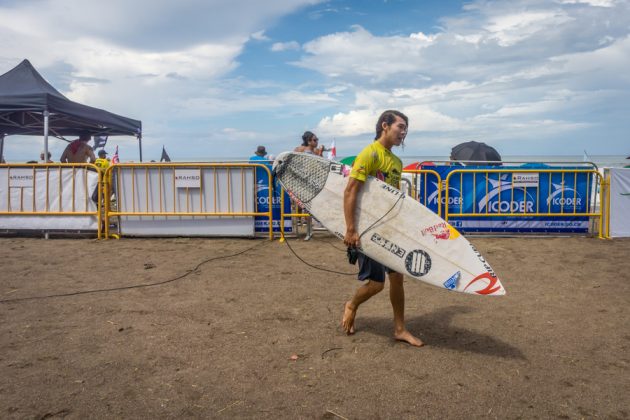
point(242, 329)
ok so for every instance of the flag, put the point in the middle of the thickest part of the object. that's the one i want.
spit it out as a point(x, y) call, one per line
point(99, 142)
point(332, 151)
point(165, 157)
point(115, 159)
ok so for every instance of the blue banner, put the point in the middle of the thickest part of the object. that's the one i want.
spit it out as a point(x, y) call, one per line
point(513, 192)
point(261, 223)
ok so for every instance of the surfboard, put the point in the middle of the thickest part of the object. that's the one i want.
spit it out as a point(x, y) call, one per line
point(395, 229)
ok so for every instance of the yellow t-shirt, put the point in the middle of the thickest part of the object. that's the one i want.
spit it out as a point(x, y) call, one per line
point(102, 163)
point(375, 160)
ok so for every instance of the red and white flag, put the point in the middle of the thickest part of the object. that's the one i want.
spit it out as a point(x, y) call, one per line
point(115, 159)
point(332, 151)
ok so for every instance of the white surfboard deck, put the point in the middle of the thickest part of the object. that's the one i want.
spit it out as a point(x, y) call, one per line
point(395, 229)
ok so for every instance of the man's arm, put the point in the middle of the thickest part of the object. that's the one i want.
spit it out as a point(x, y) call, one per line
point(64, 156)
point(350, 195)
point(90, 154)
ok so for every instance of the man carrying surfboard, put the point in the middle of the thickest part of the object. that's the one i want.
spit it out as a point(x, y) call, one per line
point(376, 160)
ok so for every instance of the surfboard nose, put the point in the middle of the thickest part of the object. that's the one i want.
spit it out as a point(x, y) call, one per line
point(500, 292)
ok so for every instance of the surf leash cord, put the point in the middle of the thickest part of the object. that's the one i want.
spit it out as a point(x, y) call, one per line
point(402, 195)
point(135, 286)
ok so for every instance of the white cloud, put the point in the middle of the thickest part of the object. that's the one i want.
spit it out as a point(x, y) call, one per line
point(285, 46)
point(149, 24)
point(347, 54)
point(149, 60)
point(597, 3)
point(260, 36)
point(511, 29)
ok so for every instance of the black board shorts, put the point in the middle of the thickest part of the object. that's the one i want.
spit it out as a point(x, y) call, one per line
point(370, 269)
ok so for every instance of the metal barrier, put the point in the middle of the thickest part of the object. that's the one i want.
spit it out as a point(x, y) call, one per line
point(569, 203)
point(48, 190)
point(207, 198)
point(419, 191)
point(284, 215)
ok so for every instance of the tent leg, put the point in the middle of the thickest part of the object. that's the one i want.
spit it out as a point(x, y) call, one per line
point(46, 115)
point(140, 146)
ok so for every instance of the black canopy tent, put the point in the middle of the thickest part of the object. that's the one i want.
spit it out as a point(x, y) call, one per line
point(29, 105)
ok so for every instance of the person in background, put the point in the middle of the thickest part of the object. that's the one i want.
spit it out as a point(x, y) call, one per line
point(259, 155)
point(376, 160)
point(102, 162)
point(79, 151)
point(42, 160)
point(310, 145)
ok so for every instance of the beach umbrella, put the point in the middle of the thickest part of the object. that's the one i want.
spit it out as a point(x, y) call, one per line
point(475, 151)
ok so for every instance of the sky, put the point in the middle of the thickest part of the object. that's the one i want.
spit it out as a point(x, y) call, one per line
point(216, 78)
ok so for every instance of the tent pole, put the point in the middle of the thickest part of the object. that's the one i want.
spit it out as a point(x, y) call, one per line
point(140, 146)
point(1, 148)
point(46, 115)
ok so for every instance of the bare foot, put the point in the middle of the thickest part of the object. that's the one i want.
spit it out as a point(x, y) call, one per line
point(407, 337)
point(347, 322)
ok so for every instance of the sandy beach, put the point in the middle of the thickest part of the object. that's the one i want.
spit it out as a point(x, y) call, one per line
point(240, 328)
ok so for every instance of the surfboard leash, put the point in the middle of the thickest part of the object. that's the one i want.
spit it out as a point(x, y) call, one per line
point(315, 266)
point(135, 286)
point(353, 259)
point(402, 195)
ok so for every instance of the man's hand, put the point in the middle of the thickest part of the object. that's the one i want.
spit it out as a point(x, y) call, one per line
point(351, 239)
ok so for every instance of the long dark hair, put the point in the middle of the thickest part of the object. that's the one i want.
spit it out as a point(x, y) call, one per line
point(306, 137)
point(389, 117)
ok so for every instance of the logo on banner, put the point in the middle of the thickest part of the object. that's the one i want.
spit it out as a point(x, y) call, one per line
point(21, 177)
point(503, 186)
point(454, 196)
point(187, 178)
point(525, 179)
point(565, 197)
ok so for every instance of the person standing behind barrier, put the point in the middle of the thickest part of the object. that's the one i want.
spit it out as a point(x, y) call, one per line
point(78, 151)
point(259, 155)
point(310, 144)
point(376, 160)
point(102, 162)
point(42, 160)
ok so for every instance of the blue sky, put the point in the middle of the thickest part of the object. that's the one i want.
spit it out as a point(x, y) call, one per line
point(217, 78)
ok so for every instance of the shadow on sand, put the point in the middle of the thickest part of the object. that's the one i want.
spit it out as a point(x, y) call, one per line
point(435, 330)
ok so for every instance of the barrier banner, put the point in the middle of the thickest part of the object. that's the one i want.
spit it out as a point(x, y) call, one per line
point(48, 190)
point(514, 192)
point(619, 202)
point(261, 223)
